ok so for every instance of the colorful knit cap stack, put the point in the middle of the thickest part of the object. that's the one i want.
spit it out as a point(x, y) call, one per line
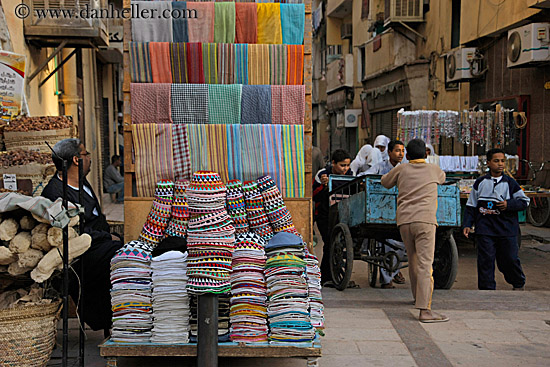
point(170, 299)
point(210, 235)
point(223, 318)
point(257, 219)
point(180, 211)
point(248, 313)
point(236, 207)
point(159, 216)
point(313, 275)
point(131, 293)
point(274, 206)
point(287, 290)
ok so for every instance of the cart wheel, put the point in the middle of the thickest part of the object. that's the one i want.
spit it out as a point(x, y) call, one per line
point(341, 256)
point(538, 212)
point(374, 249)
point(445, 266)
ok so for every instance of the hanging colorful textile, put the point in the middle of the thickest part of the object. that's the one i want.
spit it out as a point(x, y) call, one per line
point(234, 165)
point(216, 136)
point(201, 28)
point(210, 63)
point(179, 24)
point(224, 104)
point(198, 147)
point(258, 64)
point(224, 25)
point(256, 104)
point(140, 62)
point(154, 29)
point(160, 62)
point(292, 21)
point(246, 23)
point(293, 155)
point(226, 63)
point(195, 72)
point(251, 152)
point(189, 103)
point(295, 71)
point(269, 23)
point(241, 63)
point(182, 157)
point(272, 157)
point(150, 103)
point(277, 64)
point(153, 156)
point(287, 104)
point(178, 61)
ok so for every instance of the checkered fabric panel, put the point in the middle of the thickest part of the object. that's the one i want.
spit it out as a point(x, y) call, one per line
point(224, 104)
point(180, 147)
point(190, 103)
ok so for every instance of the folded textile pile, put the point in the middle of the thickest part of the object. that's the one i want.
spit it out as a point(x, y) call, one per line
point(257, 219)
point(210, 235)
point(131, 293)
point(159, 216)
point(313, 276)
point(170, 299)
point(248, 313)
point(223, 317)
point(287, 290)
point(236, 207)
point(274, 206)
point(177, 227)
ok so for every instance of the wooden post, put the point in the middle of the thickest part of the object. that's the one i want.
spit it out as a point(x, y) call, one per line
point(207, 345)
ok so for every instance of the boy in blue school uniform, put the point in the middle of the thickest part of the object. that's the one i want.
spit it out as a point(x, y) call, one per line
point(493, 207)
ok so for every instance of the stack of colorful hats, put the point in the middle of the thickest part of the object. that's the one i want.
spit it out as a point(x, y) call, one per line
point(131, 293)
point(287, 290)
point(274, 206)
point(248, 313)
point(223, 317)
point(236, 207)
point(170, 299)
point(257, 219)
point(313, 275)
point(159, 216)
point(210, 235)
point(179, 220)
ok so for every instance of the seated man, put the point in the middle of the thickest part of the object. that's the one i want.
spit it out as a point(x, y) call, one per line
point(113, 182)
point(396, 152)
point(96, 284)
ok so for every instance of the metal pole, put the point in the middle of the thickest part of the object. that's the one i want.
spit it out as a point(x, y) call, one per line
point(65, 354)
point(207, 346)
point(82, 335)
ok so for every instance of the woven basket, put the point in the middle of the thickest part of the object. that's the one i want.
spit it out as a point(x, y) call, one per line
point(27, 334)
point(36, 140)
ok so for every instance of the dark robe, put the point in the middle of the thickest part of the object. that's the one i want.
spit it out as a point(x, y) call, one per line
point(96, 285)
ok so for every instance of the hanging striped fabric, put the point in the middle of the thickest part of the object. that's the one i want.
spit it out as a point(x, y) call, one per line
point(241, 63)
point(295, 65)
point(210, 63)
point(150, 103)
point(226, 63)
point(251, 152)
point(140, 62)
point(277, 64)
point(195, 72)
point(198, 147)
point(160, 62)
point(182, 156)
point(272, 152)
point(258, 64)
point(178, 60)
point(293, 156)
point(234, 152)
point(217, 149)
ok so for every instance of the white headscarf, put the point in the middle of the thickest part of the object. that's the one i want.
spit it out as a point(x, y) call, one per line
point(431, 148)
point(366, 158)
point(432, 158)
point(382, 140)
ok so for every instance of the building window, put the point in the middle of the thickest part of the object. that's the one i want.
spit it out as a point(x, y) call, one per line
point(455, 24)
point(365, 9)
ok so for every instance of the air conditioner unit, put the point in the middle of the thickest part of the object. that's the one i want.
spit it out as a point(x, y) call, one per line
point(528, 44)
point(346, 31)
point(458, 64)
point(404, 11)
point(351, 117)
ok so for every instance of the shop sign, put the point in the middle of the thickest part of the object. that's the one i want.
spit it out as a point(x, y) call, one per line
point(12, 79)
point(10, 181)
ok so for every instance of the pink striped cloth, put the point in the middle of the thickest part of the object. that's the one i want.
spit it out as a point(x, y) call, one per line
point(150, 103)
point(201, 28)
point(160, 62)
point(226, 63)
point(288, 104)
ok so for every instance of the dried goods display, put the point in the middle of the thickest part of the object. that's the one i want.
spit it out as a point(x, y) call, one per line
point(22, 157)
point(39, 123)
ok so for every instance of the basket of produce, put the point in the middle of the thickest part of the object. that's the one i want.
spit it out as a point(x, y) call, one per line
point(32, 133)
point(38, 167)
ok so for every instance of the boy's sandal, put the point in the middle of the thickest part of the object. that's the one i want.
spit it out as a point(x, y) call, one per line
point(435, 318)
point(387, 286)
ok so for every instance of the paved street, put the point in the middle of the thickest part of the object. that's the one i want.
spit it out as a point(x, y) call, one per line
point(376, 327)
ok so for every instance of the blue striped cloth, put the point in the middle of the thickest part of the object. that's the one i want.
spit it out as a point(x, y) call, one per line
point(241, 63)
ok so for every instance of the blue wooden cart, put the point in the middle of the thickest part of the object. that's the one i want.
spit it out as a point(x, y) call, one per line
point(362, 219)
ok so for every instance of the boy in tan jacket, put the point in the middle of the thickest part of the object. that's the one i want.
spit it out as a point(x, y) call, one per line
point(416, 218)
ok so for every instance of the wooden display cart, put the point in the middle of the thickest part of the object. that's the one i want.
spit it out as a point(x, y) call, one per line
point(136, 210)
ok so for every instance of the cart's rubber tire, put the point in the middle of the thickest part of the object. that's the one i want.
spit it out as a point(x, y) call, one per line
point(374, 250)
point(538, 212)
point(341, 256)
point(445, 266)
